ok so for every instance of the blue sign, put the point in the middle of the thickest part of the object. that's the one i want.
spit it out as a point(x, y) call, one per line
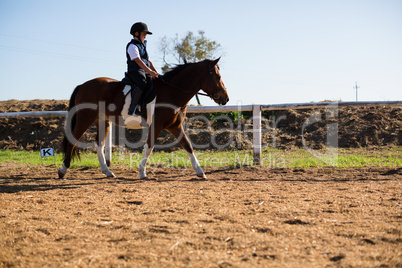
point(45, 152)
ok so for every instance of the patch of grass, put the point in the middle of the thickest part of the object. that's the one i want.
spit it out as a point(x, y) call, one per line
point(272, 158)
point(364, 158)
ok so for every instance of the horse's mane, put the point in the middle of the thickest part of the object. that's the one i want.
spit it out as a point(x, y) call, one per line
point(177, 69)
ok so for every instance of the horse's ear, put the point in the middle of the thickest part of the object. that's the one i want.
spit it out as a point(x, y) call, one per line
point(215, 62)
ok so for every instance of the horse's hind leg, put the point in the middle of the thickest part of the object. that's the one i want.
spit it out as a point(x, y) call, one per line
point(84, 119)
point(103, 126)
point(185, 143)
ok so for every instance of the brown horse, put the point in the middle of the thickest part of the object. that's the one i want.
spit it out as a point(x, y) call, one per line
point(102, 101)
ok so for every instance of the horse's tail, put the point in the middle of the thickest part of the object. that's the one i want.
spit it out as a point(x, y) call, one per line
point(70, 125)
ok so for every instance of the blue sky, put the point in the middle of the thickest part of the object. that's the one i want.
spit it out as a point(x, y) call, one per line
point(272, 51)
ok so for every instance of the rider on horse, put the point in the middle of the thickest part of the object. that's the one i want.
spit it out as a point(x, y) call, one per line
point(140, 69)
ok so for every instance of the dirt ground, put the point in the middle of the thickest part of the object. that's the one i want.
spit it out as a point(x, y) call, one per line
point(249, 217)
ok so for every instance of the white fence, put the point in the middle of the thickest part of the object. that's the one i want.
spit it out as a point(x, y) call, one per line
point(257, 148)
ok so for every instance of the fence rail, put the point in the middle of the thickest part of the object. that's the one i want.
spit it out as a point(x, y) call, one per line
point(34, 114)
point(284, 106)
point(257, 148)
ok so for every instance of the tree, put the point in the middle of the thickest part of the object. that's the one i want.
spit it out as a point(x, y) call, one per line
point(191, 48)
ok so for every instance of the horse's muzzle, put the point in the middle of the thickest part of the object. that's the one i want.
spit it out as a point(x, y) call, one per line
point(223, 99)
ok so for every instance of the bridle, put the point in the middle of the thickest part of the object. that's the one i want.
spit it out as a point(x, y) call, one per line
point(214, 96)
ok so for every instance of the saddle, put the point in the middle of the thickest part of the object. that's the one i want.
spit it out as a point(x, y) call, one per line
point(147, 96)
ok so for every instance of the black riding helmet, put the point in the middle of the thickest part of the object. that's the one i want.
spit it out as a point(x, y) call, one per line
point(139, 27)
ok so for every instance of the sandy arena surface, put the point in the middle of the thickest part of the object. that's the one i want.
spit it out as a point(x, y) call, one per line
point(249, 217)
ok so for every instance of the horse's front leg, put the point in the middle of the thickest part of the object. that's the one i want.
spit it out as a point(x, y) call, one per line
point(179, 134)
point(153, 134)
point(142, 168)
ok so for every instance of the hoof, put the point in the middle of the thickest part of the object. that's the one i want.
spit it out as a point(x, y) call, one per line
point(61, 174)
point(111, 175)
point(202, 176)
point(143, 176)
point(146, 178)
point(62, 171)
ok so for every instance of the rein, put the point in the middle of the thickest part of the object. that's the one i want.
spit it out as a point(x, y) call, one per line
point(203, 94)
point(180, 88)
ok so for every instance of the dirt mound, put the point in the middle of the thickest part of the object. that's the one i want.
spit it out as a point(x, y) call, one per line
point(351, 127)
point(33, 105)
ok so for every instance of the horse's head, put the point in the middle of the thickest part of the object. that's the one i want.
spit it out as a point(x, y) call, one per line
point(213, 85)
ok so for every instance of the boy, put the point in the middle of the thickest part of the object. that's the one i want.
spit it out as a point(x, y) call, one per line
point(139, 64)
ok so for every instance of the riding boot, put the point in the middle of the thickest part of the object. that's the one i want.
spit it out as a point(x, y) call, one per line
point(135, 99)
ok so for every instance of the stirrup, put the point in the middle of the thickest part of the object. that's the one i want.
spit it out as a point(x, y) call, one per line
point(136, 111)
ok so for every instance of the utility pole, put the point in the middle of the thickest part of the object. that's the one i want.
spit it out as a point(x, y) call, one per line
point(356, 87)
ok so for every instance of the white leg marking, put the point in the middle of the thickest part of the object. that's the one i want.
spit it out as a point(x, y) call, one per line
point(196, 165)
point(150, 111)
point(142, 167)
point(102, 161)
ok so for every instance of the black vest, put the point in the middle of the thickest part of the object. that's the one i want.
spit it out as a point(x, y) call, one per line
point(132, 66)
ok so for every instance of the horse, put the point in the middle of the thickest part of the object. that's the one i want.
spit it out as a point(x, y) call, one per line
point(103, 101)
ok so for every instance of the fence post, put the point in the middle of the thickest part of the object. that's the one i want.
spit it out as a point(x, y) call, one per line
point(108, 146)
point(257, 134)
